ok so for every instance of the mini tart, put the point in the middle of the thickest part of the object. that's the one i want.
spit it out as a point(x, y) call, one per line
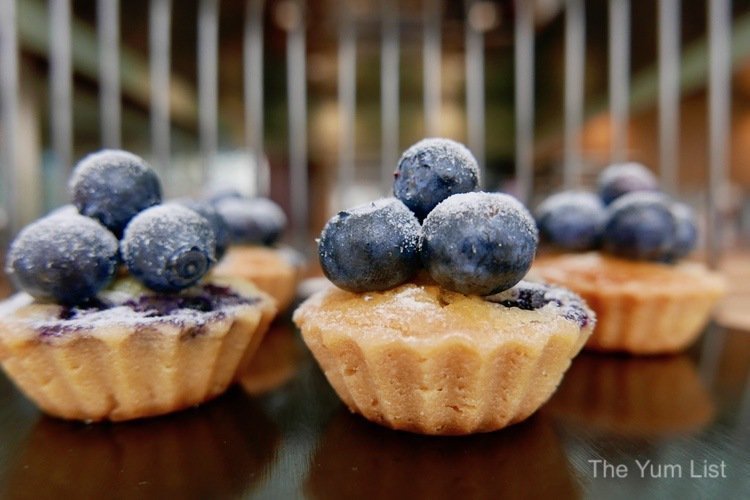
point(642, 307)
point(275, 362)
point(423, 359)
point(270, 269)
point(131, 353)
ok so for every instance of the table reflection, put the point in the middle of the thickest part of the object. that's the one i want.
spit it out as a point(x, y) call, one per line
point(276, 362)
point(357, 459)
point(633, 396)
point(221, 449)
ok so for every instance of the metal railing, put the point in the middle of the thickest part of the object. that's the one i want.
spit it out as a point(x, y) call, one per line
point(293, 21)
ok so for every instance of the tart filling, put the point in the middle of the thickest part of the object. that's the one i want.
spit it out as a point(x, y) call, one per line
point(128, 304)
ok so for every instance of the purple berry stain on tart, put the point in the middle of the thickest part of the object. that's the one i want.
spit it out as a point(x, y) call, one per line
point(531, 296)
point(202, 304)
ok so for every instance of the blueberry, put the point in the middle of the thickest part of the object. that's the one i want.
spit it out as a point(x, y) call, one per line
point(371, 247)
point(112, 186)
point(63, 211)
point(217, 195)
point(67, 259)
point(252, 220)
point(686, 234)
point(168, 247)
point(622, 178)
point(478, 243)
point(218, 224)
point(571, 220)
point(640, 225)
point(432, 170)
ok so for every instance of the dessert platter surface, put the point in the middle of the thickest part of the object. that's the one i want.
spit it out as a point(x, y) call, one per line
point(283, 433)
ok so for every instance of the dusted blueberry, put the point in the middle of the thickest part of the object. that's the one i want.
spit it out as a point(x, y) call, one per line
point(432, 170)
point(168, 247)
point(216, 195)
point(622, 178)
point(686, 234)
point(63, 211)
point(572, 220)
point(252, 220)
point(218, 224)
point(112, 186)
point(478, 243)
point(371, 247)
point(640, 225)
point(67, 259)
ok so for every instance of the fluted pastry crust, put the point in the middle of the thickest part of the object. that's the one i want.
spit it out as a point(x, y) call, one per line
point(269, 269)
point(427, 360)
point(118, 366)
point(642, 307)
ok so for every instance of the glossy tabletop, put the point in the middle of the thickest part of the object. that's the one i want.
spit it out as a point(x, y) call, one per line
point(613, 427)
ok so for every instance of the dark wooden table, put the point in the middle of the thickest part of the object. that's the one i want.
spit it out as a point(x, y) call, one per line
point(284, 434)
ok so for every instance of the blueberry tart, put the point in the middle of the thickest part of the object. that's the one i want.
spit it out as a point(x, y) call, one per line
point(115, 318)
point(623, 251)
point(130, 352)
point(254, 228)
point(430, 328)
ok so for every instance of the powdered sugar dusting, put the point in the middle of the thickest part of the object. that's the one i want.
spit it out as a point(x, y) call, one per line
point(406, 298)
point(99, 164)
point(445, 150)
point(71, 232)
point(195, 308)
point(485, 205)
point(64, 211)
point(532, 296)
point(396, 217)
point(557, 201)
point(163, 231)
point(153, 224)
point(633, 169)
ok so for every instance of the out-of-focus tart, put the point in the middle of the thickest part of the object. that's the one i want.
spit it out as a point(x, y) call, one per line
point(626, 260)
point(129, 352)
point(270, 269)
point(255, 226)
point(641, 307)
point(275, 362)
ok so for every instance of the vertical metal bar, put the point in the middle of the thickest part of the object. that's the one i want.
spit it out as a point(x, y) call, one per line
point(575, 37)
point(619, 76)
point(432, 66)
point(208, 94)
point(475, 91)
point(719, 89)
point(61, 87)
point(108, 26)
point(9, 110)
point(297, 98)
point(160, 12)
point(389, 93)
point(524, 82)
point(669, 93)
point(253, 88)
point(347, 97)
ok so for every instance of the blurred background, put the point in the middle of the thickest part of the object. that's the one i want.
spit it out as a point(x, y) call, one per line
point(312, 102)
